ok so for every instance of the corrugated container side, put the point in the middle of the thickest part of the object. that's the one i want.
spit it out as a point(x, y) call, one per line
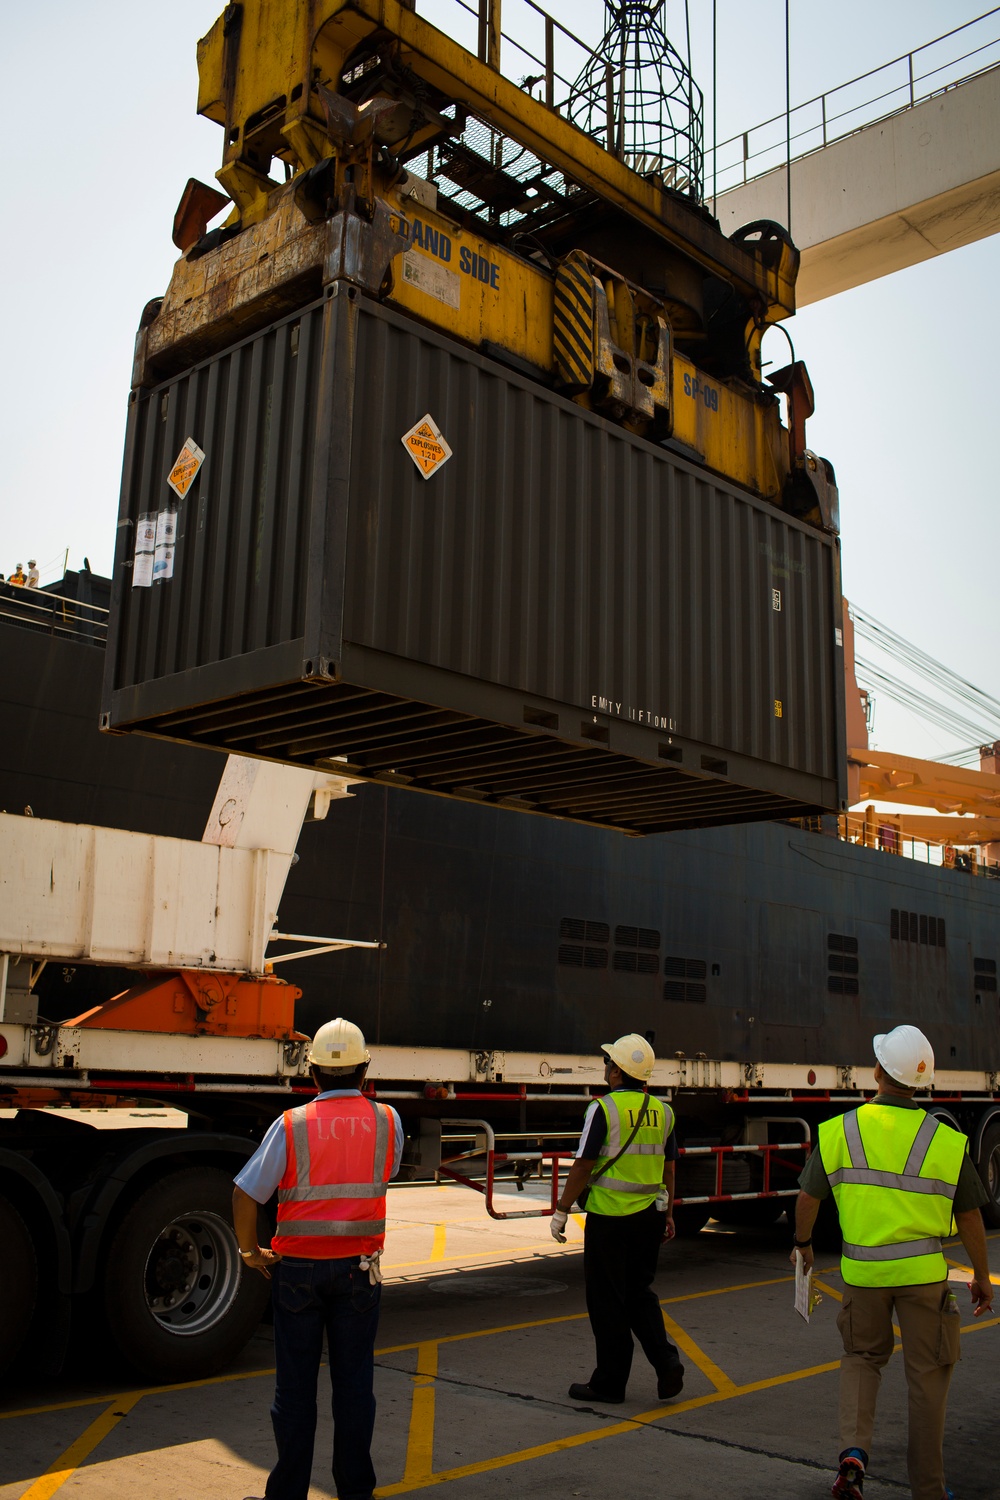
point(563, 614)
point(243, 532)
point(561, 557)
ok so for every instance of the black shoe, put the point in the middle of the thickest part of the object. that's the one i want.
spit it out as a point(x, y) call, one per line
point(582, 1392)
point(670, 1383)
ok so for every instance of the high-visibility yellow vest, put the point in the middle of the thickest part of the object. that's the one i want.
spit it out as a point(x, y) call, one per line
point(635, 1179)
point(893, 1173)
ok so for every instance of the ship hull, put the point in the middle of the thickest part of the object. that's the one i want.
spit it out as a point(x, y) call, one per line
point(763, 943)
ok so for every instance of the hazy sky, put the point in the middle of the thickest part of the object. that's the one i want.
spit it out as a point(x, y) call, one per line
point(104, 96)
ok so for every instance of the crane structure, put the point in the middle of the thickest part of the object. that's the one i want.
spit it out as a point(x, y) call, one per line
point(423, 176)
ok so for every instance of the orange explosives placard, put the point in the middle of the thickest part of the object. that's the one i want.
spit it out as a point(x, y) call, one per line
point(189, 460)
point(426, 446)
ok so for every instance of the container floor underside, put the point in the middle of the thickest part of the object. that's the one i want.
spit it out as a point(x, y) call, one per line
point(380, 737)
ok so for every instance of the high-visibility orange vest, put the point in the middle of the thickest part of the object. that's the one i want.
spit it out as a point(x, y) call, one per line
point(331, 1198)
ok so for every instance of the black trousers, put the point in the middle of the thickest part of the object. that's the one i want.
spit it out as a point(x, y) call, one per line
point(619, 1263)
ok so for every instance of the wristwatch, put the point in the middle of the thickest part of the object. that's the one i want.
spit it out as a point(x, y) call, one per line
point(246, 1254)
point(799, 1244)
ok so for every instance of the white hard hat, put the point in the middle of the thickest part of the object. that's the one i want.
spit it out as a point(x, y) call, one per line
point(906, 1055)
point(31, 562)
point(339, 1044)
point(632, 1054)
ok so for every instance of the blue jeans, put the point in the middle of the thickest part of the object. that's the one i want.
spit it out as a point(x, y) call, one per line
point(309, 1296)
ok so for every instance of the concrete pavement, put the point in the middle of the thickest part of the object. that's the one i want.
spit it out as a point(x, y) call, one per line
point(483, 1329)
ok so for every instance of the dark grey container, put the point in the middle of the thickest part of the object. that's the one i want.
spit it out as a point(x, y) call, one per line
point(564, 618)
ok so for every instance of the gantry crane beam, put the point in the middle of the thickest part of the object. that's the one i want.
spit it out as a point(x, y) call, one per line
point(888, 777)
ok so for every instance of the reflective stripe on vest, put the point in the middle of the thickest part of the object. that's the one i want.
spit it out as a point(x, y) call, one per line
point(331, 1199)
point(894, 1195)
point(634, 1180)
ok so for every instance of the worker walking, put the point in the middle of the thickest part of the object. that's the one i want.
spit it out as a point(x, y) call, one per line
point(897, 1175)
point(623, 1176)
point(329, 1161)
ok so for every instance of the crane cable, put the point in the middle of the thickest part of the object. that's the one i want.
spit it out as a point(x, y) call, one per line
point(911, 697)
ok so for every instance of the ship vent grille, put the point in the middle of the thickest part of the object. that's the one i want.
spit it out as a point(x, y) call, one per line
point(637, 937)
point(842, 964)
point(676, 989)
point(635, 963)
point(985, 977)
point(916, 927)
point(684, 968)
point(840, 984)
point(576, 956)
point(581, 931)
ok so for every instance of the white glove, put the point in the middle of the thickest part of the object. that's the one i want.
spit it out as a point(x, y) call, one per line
point(557, 1224)
point(373, 1265)
point(662, 1201)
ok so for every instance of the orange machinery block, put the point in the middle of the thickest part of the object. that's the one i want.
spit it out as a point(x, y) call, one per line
point(202, 1004)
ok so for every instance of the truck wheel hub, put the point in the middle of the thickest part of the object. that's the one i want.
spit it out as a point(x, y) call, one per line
point(192, 1274)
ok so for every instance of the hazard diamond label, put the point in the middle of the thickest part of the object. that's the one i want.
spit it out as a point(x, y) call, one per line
point(182, 476)
point(426, 446)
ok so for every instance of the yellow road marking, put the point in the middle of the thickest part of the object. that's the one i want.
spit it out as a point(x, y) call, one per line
point(440, 1238)
point(477, 1333)
point(825, 1287)
point(133, 1396)
point(961, 1266)
point(697, 1356)
point(511, 1252)
point(419, 1464)
point(617, 1429)
point(187, 1385)
point(482, 1333)
point(67, 1463)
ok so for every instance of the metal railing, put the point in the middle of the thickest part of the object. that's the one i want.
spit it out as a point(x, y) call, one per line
point(545, 58)
point(53, 614)
point(523, 1161)
point(911, 79)
point(884, 831)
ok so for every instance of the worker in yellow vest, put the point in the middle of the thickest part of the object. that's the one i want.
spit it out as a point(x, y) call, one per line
point(329, 1162)
point(898, 1177)
point(623, 1176)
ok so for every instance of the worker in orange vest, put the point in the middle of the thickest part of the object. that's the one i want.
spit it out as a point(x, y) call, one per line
point(329, 1162)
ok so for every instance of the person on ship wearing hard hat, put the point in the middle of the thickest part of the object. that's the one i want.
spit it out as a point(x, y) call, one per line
point(623, 1176)
point(329, 1162)
point(897, 1175)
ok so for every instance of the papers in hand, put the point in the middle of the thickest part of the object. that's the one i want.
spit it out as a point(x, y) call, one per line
point(806, 1296)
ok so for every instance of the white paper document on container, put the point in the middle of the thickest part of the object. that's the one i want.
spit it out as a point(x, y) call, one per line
point(804, 1300)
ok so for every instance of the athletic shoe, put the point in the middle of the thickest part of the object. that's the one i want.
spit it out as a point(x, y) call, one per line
point(849, 1483)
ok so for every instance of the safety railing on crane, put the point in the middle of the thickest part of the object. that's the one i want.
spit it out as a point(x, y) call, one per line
point(914, 77)
point(537, 51)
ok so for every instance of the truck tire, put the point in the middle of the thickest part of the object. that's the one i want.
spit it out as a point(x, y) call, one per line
point(18, 1285)
point(988, 1167)
point(179, 1303)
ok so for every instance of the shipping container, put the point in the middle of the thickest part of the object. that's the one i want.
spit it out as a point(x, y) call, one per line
point(560, 617)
